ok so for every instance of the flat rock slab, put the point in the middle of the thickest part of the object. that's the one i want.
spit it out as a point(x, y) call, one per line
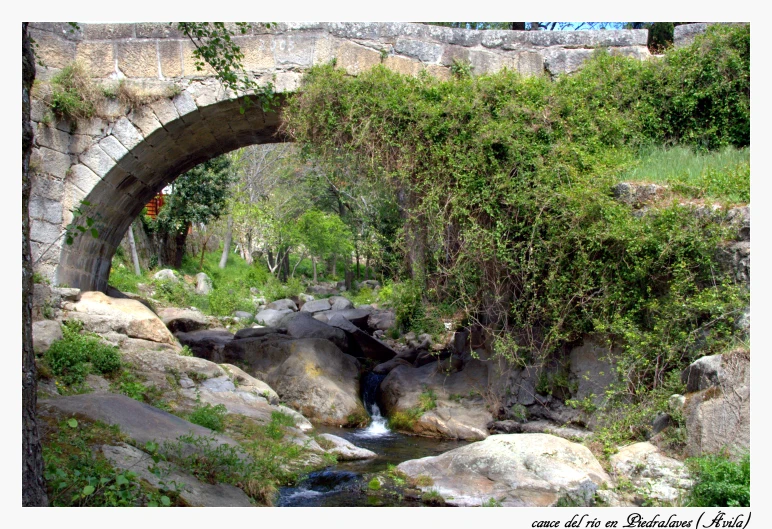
point(519, 470)
point(184, 320)
point(208, 343)
point(254, 332)
point(191, 490)
point(140, 421)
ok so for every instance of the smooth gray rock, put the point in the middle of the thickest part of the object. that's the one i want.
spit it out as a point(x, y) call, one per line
point(653, 474)
point(317, 305)
point(282, 304)
point(271, 317)
point(305, 326)
point(138, 420)
point(44, 333)
point(252, 332)
point(361, 344)
point(243, 315)
point(702, 373)
point(340, 303)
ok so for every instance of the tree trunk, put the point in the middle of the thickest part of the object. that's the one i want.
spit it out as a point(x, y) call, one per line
point(519, 26)
point(171, 247)
point(313, 262)
point(33, 488)
point(227, 245)
point(356, 254)
point(134, 256)
point(334, 266)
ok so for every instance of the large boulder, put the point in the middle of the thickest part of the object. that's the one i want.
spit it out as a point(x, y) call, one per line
point(718, 417)
point(519, 470)
point(271, 317)
point(310, 375)
point(253, 332)
point(320, 381)
point(703, 373)
point(184, 320)
point(653, 474)
point(208, 343)
point(458, 410)
point(361, 344)
point(357, 317)
point(102, 314)
point(305, 326)
point(166, 274)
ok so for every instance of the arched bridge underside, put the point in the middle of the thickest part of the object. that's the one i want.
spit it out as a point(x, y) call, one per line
point(118, 161)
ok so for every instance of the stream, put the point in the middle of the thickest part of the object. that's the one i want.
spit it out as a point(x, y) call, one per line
point(340, 485)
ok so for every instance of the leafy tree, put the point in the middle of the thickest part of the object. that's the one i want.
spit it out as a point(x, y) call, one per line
point(198, 196)
point(325, 236)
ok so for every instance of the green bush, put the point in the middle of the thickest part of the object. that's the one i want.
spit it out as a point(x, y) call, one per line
point(209, 416)
point(76, 355)
point(222, 302)
point(720, 482)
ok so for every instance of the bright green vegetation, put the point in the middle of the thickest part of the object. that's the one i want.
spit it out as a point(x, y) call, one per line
point(72, 93)
point(491, 502)
point(209, 416)
point(720, 482)
point(264, 461)
point(78, 476)
point(374, 484)
point(507, 189)
point(720, 175)
point(405, 420)
point(77, 354)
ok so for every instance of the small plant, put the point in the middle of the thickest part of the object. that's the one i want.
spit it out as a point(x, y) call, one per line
point(427, 400)
point(423, 480)
point(461, 69)
point(432, 497)
point(208, 416)
point(186, 351)
point(374, 484)
point(73, 94)
point(491, 502)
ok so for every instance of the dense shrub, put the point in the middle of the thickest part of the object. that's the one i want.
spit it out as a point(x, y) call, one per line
point(720, 482)
point(507, 184)
point(76, 355)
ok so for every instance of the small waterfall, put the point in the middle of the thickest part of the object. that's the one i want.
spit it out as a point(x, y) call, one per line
point(378, 426)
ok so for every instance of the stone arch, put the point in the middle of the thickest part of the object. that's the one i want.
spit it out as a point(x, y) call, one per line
point(119, 162)
point(127, 170)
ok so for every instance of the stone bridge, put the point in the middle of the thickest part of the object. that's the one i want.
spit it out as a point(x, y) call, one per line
point(119, 160)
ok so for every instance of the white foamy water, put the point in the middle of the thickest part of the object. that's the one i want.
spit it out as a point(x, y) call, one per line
point(378, 426)
point(303, 493)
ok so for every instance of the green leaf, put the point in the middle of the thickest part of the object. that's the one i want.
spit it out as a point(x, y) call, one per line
point(166, 501)
point(94, 233)
point(88, 490)
point(72, 423)
point(121, 480)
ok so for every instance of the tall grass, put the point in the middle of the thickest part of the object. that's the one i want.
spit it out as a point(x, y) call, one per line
point(721, 175)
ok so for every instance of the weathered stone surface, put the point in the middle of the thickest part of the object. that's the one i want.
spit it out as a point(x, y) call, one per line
point(312, 376)
point(316, 305)
point(254, 332)
point(386, 367)
point(593, 368)
point(271, 317)
point(340, 303)
point(247, 382)
point(382, 320)
point(684, 34)
point(139, 421)
point(511, 426)
point(166, 274)
point(282, 304)
point(305, 326)
point(346, 451)
point(702, 373)
point(654, 475)
point(184, 320)
point(360, 344)
point(638, 194)
point(192, 491)
point(49, 161)
point(44, 333)
point(719, 418)
point(101, 314)
point(559, 61)
point(520, 470)
point(459, 411)
point(208, 344)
